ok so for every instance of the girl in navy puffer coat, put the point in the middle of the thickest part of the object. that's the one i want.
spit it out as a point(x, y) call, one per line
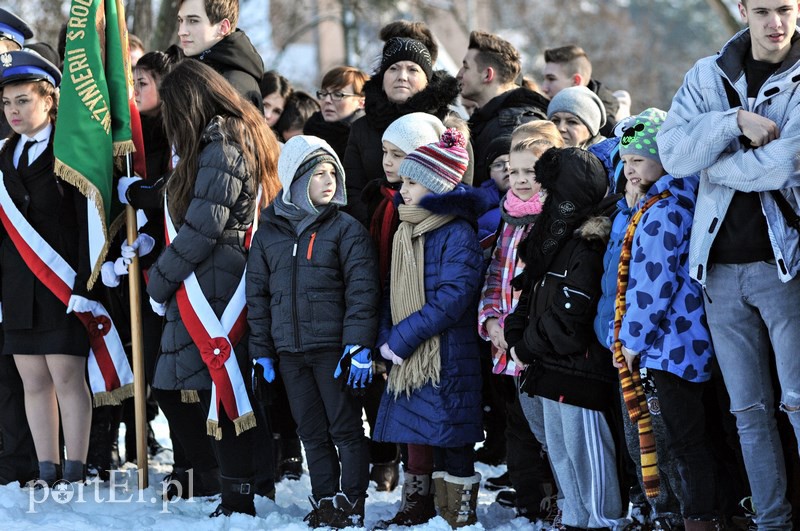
point(433, 398)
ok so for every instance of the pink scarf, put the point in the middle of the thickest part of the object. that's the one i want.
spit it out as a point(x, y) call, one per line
point(517, 208)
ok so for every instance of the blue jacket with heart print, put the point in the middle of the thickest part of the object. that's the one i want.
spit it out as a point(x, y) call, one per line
point(665, 320)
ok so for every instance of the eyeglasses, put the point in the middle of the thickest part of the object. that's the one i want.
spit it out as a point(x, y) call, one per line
point(335, 96)
point(498, 166)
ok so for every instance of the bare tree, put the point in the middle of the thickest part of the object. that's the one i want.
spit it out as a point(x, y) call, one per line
point(141, 23)
point(164, 29)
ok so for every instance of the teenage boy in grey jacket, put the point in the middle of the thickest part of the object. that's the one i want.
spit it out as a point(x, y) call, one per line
point(745, 145)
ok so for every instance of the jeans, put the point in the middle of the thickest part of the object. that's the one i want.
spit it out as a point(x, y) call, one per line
point(749, 310)
point(328, 418)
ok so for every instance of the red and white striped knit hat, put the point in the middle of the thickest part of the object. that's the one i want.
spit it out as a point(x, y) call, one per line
point(438, 167)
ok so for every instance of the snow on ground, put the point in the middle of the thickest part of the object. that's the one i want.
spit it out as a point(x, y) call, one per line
point(101, 508)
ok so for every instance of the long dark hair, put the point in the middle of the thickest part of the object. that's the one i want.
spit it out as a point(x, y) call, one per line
point(192, 95)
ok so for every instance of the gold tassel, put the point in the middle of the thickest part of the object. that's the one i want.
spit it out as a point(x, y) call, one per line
point(213, 429)
point(104, 399)
point(245, 422)
point(123, 393)
point(124, 147)
point(189, 396)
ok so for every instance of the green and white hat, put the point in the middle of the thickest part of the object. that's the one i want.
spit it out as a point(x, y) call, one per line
point(639, 134)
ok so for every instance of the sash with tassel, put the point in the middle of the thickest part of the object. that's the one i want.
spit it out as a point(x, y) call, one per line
point(110, 376)
point(216, 338)
point(630, 381)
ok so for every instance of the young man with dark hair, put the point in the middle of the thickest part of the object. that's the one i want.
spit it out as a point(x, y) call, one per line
point(207, 32)
point(569, 66)
point(488, 76)
point(735, 121)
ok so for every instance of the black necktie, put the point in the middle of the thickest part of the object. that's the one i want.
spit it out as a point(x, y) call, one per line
point(22, 165)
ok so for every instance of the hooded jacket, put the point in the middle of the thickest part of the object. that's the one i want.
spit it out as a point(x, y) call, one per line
point(238, 61)
point(551, 327)
point(211, 243)
point(316, 290)
point(604, 320)
point(500, 116)
point(665, 319)
point(448, 415)
point(701, 135)
point(363, 159)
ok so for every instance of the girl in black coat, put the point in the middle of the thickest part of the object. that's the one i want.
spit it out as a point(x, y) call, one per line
point(226, 154)
point(49, 348)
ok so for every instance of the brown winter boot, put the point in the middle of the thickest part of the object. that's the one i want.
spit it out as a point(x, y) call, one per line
point(694, 524)
point(462, 500)
point(417, 505)
point(439, 493)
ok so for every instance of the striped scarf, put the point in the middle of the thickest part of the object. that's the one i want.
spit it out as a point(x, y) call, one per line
point(632, 391)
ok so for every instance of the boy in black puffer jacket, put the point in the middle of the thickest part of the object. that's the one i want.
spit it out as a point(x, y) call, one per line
point(312, 289)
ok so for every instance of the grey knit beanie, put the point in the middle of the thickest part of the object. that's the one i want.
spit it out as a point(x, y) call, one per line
point(438, 167)
point(581, 102)
point(411, 131)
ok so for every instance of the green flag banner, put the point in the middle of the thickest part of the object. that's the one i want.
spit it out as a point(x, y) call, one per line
point(93, 123)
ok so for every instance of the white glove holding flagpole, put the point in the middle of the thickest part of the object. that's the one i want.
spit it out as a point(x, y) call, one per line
point(122, 188)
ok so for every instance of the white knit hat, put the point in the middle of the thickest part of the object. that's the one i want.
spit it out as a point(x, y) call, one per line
point(411, 131)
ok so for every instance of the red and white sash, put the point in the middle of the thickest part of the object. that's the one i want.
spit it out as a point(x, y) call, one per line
point(110, 376)
point(216, 339)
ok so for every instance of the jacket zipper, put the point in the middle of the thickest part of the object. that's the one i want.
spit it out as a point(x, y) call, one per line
point(311, 246)
point(297, 344)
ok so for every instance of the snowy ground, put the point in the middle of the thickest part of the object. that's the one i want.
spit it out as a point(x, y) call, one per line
point(99, 507)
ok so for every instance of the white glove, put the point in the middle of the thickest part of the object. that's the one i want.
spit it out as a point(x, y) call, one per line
point(143, 243)
point(122, 187)
point(80, 304)
point(109, 275)
point(159, 307)
point(121, 266)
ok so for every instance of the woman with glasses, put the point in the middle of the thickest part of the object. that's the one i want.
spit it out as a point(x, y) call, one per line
point(342, 102)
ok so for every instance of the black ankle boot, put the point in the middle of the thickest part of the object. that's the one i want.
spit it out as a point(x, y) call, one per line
point(322, 512)
point(348, 512)
point(237, 497)
point(74, 471)
point(49, 473)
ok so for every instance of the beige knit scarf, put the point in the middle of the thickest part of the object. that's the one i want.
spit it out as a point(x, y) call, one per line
point(408, 296)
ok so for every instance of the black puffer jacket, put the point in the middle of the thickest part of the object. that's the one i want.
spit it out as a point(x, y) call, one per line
point(312, 280)
point(551, 328)
point(499, 117)
point(363, 159)
point(238, 61)
point(210, 243)
point(316, 291)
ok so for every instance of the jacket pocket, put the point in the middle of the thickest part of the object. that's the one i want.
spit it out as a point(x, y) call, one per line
point(327, 313)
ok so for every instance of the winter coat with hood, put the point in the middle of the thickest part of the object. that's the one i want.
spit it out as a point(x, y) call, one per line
point(363, 160)
point(448, 415)
point(665, 319)
point(238, 61)
point(608, 296)
point(551, 328)
point(210, 242)
point(312, 281)
point(701, 135)
point(500, 116)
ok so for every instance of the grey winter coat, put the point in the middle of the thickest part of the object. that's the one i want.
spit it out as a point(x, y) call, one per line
point(701, 135)
point(210, 243)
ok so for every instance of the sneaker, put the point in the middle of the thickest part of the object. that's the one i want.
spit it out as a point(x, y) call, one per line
point(507, 498)
point(498, 483)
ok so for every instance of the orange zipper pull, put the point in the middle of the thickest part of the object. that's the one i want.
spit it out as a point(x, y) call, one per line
point(311, 246)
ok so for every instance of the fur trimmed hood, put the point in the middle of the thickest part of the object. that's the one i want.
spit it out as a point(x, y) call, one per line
point(596, 228)
point(462, 202)
point(436, 98)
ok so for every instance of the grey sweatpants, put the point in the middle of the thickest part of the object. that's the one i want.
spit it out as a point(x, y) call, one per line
point(582, 452)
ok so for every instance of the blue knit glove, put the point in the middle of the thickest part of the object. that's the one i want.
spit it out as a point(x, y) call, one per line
point(356, 361)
